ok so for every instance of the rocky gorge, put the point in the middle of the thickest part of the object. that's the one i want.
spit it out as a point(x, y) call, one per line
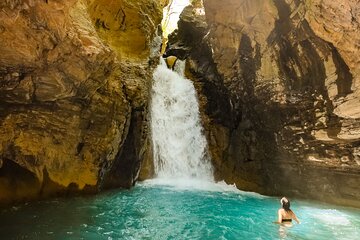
point(277, 82)
point(75, 78)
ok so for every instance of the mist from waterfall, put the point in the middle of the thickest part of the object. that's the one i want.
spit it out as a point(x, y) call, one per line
point(180, 148)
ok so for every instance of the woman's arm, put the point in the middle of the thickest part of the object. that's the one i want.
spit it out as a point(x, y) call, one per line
point(279, 216)
point(295, 218)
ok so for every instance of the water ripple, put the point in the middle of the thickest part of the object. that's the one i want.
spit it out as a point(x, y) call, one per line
point(151, 211)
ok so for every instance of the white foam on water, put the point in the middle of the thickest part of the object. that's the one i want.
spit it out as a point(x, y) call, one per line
point(334, 217)
point(329, 216)
point(193, 184)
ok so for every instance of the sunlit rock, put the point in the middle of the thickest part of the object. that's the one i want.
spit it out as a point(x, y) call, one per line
point(74, 83)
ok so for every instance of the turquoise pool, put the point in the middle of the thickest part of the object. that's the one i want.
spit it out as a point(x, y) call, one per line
point(186, 210)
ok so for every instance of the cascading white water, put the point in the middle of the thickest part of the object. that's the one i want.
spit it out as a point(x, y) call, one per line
point(178, 142)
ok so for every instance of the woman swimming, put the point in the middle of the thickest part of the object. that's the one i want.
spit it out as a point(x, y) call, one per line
point(286, 215)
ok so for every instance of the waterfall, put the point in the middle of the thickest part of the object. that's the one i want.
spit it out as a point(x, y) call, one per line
point(179, 145)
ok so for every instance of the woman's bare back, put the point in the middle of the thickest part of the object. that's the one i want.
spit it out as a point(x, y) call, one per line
point(287, 215)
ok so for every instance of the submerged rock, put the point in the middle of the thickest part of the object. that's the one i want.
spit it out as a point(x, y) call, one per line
point(278, 84)
point(74, 84)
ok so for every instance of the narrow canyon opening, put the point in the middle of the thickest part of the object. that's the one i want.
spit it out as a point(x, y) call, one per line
point(179, 119)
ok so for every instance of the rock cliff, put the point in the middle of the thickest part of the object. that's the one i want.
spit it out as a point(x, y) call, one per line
point(278, 82)
point(74, 85)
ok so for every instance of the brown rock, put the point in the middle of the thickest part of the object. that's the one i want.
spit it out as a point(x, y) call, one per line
point(74, 84)
point(279, 77)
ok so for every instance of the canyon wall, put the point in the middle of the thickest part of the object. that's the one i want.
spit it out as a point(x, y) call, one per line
point(278, 84)
point(75, 78)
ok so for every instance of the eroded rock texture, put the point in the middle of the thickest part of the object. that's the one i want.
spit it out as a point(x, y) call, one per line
point(74, 85)
point(278, 80)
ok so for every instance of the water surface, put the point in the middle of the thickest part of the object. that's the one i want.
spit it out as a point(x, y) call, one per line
point(187, 211)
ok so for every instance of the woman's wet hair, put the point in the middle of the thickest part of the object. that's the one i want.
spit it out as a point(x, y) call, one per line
point(285, 203)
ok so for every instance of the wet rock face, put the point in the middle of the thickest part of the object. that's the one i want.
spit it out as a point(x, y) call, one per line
point(278, 85)
point(74, 83)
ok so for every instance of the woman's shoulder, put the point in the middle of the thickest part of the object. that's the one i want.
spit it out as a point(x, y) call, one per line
point(292, 213)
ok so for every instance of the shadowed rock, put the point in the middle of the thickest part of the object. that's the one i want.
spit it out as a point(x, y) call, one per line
point(277, 84)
